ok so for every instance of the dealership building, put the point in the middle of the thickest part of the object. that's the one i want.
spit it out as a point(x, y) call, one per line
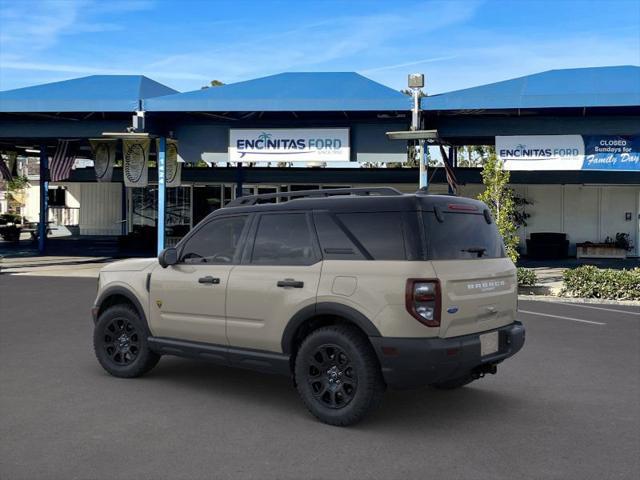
point(571, 139)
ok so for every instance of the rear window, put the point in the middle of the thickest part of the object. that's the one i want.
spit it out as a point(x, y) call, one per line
point(461, 236)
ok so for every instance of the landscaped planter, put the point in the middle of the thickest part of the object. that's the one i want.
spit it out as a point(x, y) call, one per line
point(599, 250)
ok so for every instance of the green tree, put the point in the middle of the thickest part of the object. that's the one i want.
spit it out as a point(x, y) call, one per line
point(500, 200)
point(213, 83)
point(474, 155)
point(15, 193)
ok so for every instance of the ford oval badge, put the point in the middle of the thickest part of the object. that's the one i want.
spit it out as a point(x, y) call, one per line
point(452, 309)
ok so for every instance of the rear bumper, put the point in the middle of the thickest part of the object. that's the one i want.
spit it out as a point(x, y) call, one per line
point(414, 362)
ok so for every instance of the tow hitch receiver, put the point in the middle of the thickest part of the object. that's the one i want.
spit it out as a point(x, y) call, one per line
point(482, 370)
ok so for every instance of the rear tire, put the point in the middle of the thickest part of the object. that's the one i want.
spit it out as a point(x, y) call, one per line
point(120, 343)
point(338, 376)
point(454, 383)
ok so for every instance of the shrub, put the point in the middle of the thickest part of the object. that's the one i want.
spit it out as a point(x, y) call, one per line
point(527, 277)
point(592, 282)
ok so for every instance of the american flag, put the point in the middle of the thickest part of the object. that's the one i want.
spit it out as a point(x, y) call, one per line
point(451, 176)
point(4, 170)
point(62, 161)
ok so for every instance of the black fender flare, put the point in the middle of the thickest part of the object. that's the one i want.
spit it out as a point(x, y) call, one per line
point(121, 291)
point(326, 308)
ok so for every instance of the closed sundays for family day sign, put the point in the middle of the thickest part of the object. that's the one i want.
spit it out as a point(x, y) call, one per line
point(569, 152)
point(289, 145)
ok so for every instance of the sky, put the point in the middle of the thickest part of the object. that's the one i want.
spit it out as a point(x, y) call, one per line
point(185, 44)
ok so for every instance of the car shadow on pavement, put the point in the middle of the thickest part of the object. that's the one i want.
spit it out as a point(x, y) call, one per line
point(402, 409)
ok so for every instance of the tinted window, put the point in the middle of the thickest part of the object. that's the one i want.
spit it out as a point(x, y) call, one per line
point(462, 235)
point(334, 241)
point(215, 242)
point(283, 239)
point(379, 233)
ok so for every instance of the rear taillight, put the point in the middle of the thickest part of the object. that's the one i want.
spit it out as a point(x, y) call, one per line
point(423, 301)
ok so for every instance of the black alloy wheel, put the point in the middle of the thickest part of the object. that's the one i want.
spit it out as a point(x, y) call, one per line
point(338, 375)
point(332, 377)
point(120, 342)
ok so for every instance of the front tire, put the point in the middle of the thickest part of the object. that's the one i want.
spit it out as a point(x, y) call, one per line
point(120, 343)
point(338, 376)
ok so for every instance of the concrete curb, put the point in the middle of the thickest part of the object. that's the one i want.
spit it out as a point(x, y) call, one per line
point(598, 301)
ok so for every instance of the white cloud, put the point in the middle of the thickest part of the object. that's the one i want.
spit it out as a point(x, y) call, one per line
point(408, 64)
point(31, 27)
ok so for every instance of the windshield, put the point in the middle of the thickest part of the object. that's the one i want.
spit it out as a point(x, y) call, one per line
point(461, 236)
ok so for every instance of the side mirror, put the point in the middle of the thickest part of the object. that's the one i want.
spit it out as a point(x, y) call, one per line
point(168, 256)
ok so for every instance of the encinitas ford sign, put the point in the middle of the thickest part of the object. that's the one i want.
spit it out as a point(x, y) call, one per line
point(289, 145)
point(569, 152)
point(541, 152)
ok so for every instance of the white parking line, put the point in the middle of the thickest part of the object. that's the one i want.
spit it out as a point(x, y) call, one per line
point(561, 317)
point(601, 308)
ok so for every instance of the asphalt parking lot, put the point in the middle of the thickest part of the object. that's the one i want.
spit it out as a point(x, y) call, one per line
point(566, 407)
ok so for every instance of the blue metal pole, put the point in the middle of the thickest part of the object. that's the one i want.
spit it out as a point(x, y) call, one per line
point(452, 165)
point(123, 209)
point(162, 151)
point(424, 179)
point(44, 199)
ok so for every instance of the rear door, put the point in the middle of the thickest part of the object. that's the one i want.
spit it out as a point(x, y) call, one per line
point(477, 281)
point(279, 275)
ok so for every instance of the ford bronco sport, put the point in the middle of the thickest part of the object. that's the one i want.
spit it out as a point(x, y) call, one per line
point(349, 291)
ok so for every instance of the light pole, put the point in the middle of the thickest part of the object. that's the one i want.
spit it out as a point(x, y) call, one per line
point(416, 83)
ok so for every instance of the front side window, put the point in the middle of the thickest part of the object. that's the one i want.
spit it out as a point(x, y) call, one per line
point(215, 242)
point(283, 239)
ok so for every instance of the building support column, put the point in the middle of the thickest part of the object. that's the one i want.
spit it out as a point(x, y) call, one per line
point(44, 200)
point(239, 179)
point(162, 190)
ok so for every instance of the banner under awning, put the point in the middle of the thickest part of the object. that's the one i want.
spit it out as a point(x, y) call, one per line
point(569, 152)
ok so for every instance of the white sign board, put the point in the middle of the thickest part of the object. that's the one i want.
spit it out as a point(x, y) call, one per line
point(289, 145)
point(541, 152)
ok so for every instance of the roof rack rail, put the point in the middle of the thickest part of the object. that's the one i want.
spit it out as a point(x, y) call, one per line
point(254, 199)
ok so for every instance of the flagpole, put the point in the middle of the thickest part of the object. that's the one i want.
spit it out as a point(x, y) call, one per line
point(416, 82)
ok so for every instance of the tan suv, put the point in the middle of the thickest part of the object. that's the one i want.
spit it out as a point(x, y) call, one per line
point(348, 291)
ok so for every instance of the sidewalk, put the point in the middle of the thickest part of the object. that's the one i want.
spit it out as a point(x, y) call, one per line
point(549, 282)
point(54, 266)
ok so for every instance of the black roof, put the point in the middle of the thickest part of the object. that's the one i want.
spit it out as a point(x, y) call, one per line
point(359, 203)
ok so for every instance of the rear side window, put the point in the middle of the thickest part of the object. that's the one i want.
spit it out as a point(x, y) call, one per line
point(380, 233)
point(283, 239)
point(461, 236)
point(364, 236)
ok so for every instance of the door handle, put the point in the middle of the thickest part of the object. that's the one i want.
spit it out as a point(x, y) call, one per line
point(290, 282)
point(209, 279)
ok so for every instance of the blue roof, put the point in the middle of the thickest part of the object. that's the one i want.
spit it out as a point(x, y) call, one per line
point(298, 92)
point(96, 93)
point(577, 87)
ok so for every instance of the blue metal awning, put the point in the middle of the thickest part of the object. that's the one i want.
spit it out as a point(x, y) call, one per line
point(96, 93)
point(288, 92)
point(570, 88)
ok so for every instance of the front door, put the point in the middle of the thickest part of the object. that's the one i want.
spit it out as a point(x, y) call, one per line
point(188, 300)
point(279, 275)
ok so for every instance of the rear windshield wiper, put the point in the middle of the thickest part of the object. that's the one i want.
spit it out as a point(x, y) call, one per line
point(479, 250)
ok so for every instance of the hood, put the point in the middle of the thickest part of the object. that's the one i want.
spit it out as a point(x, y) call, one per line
point(130, 265)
